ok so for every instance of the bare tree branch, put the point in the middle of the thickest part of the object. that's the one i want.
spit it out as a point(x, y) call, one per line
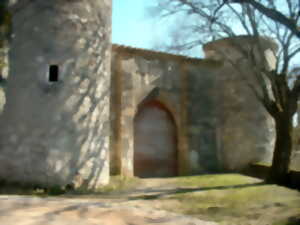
point(272, 14)
point(270, 86)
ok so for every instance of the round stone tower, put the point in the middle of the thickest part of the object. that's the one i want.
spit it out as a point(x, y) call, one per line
point(245, 131)
point(55, 124)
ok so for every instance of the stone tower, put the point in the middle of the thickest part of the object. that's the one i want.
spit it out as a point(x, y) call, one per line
point(244, 129)
point(55, 128)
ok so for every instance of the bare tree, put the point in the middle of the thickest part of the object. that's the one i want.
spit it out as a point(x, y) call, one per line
point(278, 19)
point(289, 21)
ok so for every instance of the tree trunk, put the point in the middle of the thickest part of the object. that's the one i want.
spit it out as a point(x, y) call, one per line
point(279, 172)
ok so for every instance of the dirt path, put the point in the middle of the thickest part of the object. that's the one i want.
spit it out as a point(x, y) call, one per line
point(230, 199)
point(116, 210)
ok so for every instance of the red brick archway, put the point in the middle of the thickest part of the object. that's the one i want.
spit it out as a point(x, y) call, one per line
point(155, 142)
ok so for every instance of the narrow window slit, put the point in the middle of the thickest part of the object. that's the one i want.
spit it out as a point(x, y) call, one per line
point(53, 73)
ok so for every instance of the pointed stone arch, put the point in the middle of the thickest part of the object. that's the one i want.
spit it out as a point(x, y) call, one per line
point(155, 141)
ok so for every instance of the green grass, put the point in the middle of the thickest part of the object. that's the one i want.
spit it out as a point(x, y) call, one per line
point(117, 185)
point(289, 221)
point(226, 198)
point(235, 199)
point(215, 180)
point(294, 167)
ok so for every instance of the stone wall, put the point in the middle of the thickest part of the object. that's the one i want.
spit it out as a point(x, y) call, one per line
point(4, 67)
point(245, 130)
point(202, 118)
point(220, 124)
point(184, 86)
point(155, 142)
point(295, 161)
point(135, 78)
point(57, 133)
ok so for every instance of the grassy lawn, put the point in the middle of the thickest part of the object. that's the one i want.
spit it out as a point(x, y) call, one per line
point(234, 199)
point(117, 185)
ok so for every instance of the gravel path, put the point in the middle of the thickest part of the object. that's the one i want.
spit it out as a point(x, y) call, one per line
point(17, 210)
point(20, 210)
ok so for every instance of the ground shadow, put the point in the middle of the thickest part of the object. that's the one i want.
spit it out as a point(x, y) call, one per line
point(167, 192)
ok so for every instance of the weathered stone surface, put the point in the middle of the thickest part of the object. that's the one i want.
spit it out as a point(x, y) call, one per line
point(295, 161)
point(155, 150)
point(58, 133)
point(201, 109)
point(177, 83)
point(244, 128)
point(52, 133)
point(219, 122)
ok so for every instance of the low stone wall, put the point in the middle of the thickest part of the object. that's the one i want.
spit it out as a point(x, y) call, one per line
point(262, 171)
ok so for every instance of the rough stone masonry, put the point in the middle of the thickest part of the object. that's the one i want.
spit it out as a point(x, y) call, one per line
point(70, 105)
point(57, 133)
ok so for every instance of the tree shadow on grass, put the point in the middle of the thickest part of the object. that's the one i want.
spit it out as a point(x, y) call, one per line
point(293, 221)
point(167, 192)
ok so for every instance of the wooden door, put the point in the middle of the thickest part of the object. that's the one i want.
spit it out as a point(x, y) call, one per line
point(155, 153)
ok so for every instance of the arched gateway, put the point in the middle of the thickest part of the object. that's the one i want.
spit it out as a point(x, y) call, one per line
point(155, 144)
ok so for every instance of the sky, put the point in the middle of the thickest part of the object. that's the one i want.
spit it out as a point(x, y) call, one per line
point(132, 26)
